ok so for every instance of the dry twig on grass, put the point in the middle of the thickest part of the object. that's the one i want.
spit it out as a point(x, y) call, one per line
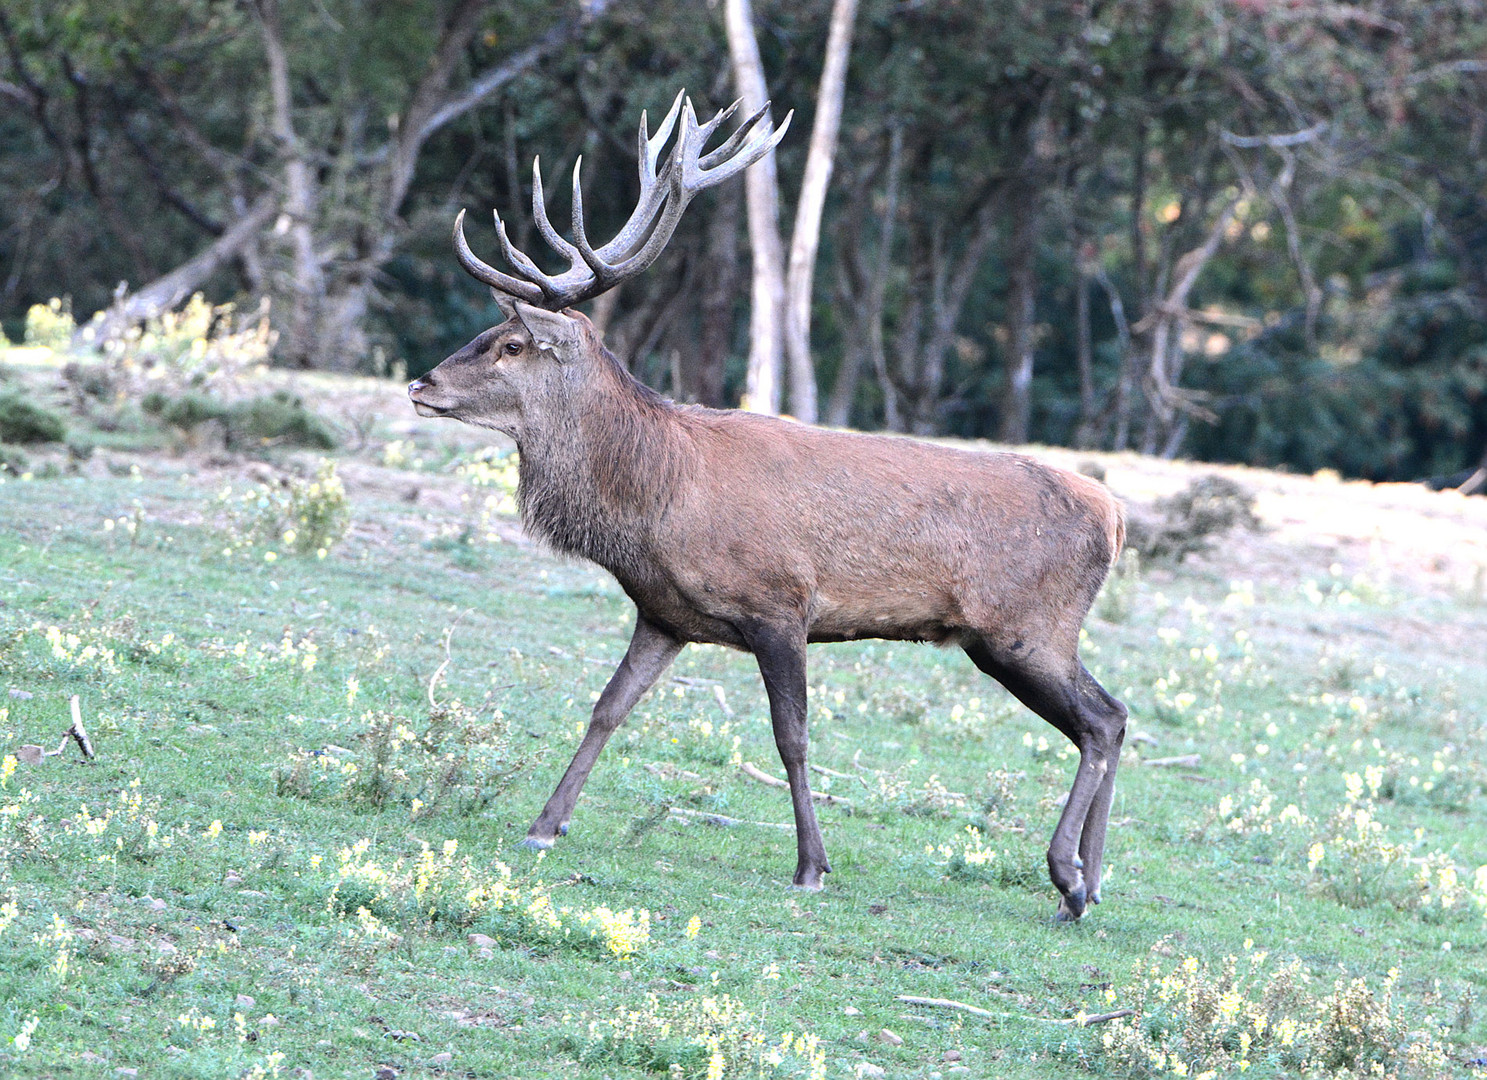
point(960, 1006)
point(1185, 760)
point(77, 732)
point(439, 671)
point(723, 820)
point(748, 768)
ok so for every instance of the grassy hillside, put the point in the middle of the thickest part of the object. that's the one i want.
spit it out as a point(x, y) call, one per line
point(295, 851)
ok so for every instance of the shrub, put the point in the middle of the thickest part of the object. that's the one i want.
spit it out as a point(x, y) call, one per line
point(278, 418)
point(1208, 509)
point(1207, 1020)
point(454, 758)
point(199, 346)
point(23, 422)
point(191, 410)
point(303, 515)
point(50, 324)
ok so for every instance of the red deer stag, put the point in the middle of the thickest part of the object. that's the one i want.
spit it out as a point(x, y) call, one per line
point(765, 535)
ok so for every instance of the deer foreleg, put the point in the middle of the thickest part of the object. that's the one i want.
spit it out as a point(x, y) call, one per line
point(650, 653)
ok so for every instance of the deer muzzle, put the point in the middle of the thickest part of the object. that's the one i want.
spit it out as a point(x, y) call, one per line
point(418, 387)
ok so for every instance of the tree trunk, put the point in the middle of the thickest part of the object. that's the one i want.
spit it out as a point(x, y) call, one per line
point(299, 218)
point(702, 379)
point(1084, 433)
point(870, 314)
point(806, 236)
point(1165, 322)
point(1021, 300)
point(761, 187)
point(950, 285)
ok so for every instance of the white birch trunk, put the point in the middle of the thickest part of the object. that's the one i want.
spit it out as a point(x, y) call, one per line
point(762, 192)
point(806, 237)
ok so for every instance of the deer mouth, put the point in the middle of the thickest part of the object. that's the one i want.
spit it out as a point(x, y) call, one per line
point(421, 407)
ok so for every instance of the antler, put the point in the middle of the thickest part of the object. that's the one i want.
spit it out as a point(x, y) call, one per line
point(665, 191)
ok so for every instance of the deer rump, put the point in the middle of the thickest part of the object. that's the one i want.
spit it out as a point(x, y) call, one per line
point(764, 535)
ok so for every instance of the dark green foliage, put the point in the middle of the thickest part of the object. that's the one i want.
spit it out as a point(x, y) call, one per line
point(277, 419)
point(22, 421)
point(186, 412)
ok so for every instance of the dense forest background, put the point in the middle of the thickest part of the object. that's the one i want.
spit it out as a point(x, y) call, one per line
point(1241, 230)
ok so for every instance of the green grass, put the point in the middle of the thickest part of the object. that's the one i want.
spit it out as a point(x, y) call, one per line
point(189, 733)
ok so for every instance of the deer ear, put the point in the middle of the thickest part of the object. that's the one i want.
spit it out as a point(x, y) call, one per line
point(551, 330)
point(506, 302)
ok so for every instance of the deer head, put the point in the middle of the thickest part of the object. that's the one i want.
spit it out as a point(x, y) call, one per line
point(544, 354)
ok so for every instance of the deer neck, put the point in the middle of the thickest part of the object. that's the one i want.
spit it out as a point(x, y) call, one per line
point(597, 475)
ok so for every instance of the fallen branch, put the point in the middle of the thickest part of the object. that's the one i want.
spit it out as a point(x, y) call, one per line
point(31, 754)
point(439, 671)
point(1081, 1020)
point(723, 820)
point(824, 771)
point(748, 768)
point(84, 743)
point(1186, 760)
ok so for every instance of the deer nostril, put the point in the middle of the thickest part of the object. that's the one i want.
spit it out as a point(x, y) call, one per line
point(416, 385)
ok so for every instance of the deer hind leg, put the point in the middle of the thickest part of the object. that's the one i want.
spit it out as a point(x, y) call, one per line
point(1069, 698)
point(1092, 838)
point(650, 653)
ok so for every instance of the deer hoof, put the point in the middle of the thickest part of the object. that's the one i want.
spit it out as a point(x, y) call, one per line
point(808, 879)
point(536, 843)
point(1071, 907)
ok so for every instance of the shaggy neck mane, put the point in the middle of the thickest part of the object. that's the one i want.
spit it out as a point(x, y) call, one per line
point(598, 473)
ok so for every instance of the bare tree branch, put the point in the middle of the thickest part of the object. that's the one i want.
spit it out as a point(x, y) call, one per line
point(166, 292)
point(491, 80)
point(1275, 142)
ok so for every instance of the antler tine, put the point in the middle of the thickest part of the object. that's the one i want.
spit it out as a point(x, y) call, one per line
point(735, 140)
point(696, 177)
point(602, 273)
point(653, 187)
point(706, 130)
point(554, 238)
point(487, 274)
point(650, 147)
point(549, 285)
point(686, 180)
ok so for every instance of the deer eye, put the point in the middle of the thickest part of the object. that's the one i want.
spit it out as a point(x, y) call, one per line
point(513, 348)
